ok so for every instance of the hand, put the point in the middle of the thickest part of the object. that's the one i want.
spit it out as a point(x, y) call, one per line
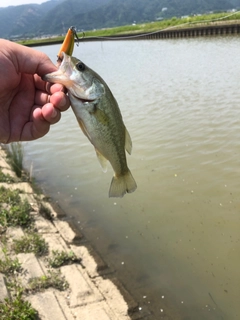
point(28, 105)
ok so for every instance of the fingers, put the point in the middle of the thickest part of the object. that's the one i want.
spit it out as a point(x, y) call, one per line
point(40, 122)
point(59, 99)
point(47, 87)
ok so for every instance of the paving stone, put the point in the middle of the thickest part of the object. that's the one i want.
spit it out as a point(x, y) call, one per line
point(3, 288)
point(2, 256)
point(30, 266)
point(43, 225)
point(48, 307)
point(93, 263)
point(120, 306)
point(82, 289)
point(31, 199)
point(66, 231)
point(14, 233)
point(55, 242)
point(8, 171)
point(3, 161)
point(23, 186)
point(94, 311)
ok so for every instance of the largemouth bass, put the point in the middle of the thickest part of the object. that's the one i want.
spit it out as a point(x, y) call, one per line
point(100, 119)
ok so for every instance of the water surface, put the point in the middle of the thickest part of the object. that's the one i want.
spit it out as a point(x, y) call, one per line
point(175, 242)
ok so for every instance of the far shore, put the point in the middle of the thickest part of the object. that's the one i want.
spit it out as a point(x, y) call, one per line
point(146, 30)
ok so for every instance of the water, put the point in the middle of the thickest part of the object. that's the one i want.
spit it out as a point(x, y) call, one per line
point(175, 242)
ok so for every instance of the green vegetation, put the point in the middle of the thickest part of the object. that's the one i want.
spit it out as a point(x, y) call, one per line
point(164, 24)
point(32, 242)
point(61, 258)
point(13, 211)
point(47, 19)
point(53, 279)
point(191, 21)
point(8, 265)
point(15, 157)
point(6, 177)
point(16, 309)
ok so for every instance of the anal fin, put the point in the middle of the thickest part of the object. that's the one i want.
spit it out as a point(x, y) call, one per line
point(128, 142)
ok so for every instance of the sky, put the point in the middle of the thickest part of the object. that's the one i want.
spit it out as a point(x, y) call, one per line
point(7, 3)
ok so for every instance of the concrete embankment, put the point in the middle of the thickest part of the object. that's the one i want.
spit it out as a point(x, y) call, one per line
point(190, 31)
point(93, 293)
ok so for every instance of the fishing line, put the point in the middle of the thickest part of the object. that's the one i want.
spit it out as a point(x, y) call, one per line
point(168, 28)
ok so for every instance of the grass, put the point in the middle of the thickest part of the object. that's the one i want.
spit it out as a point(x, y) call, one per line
point(32, 242)
point(8, 265)
point(53, 279)
point(61, 258)
point(15, 156)
point(6, 177)
point(214, 18)
point(17, 309)
point(13, 211)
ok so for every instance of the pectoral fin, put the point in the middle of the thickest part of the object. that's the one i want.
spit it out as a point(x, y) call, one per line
point(102, 160)
point(84, 130)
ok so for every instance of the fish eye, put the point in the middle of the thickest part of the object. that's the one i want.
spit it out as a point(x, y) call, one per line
point(80, 66)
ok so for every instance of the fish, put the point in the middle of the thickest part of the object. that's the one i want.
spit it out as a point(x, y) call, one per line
point(99, 117)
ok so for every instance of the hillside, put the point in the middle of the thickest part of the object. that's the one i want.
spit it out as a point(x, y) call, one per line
point(56, 16)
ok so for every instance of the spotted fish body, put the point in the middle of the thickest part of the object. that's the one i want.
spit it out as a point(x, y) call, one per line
point(100, 119)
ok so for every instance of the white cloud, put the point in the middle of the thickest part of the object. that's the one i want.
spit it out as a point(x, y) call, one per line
point(7, 3)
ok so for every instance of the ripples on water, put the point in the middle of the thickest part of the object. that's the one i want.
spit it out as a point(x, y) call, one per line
point(178, 234)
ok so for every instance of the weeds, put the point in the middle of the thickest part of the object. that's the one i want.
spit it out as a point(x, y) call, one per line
point(6, 177)
point(32, 242)
point(53, 279)
point(16, 309)
point(8, 265)
point(61, 258)
point(13, 211)
point(9, 196)
point(16, 158)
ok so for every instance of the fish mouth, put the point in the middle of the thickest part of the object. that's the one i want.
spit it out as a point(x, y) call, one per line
point(62, 75)
point(83, 100)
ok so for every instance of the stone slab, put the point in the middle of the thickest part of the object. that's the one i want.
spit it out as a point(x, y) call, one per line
point(82, 289)
point(48, 307)
point(3, 288)
point(14, 233)
point(66, 231)
point(120, 305)
point(43, 225)
point(55, 242)
point(30, 266)
point(93, 263)
point(23, 186)
point(94, 311)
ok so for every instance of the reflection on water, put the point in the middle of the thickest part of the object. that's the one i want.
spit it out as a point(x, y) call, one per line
point(175, 242)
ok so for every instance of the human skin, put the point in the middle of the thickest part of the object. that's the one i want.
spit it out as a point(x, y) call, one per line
point(28, 105)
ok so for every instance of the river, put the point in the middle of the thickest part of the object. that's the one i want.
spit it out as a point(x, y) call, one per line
point(175, 242)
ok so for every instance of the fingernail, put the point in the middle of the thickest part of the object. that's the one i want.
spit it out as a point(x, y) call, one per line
point(54, 113)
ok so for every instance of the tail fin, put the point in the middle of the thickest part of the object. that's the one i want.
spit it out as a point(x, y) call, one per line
point(122, 184)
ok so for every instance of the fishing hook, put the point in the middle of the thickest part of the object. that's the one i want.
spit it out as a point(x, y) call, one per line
point(74, 31)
